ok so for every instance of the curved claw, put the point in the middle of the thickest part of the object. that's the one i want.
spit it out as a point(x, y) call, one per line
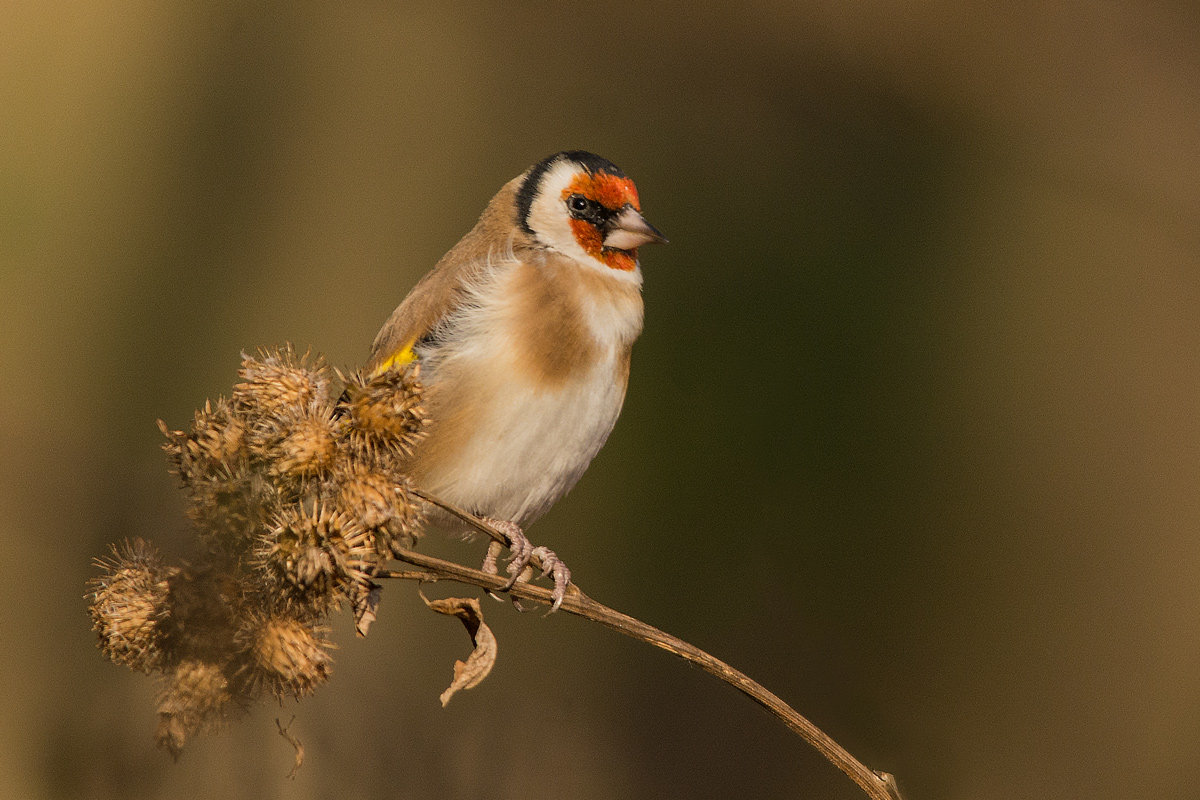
point(552, 565)
point(522, 553)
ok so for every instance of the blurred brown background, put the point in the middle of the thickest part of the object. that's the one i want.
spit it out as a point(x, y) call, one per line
point(913, 434)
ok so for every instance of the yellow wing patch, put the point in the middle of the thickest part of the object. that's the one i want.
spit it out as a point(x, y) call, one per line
point(401, 358)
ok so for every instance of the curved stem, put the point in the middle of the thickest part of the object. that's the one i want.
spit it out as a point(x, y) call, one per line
point(878, 785)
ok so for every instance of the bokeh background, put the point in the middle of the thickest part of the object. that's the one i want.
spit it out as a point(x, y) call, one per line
point(913, 434)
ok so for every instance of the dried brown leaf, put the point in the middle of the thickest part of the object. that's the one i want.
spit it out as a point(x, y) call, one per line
point(470, 673)
point(365, 603)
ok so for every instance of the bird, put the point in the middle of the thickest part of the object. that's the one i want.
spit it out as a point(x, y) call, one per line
point(523, 332)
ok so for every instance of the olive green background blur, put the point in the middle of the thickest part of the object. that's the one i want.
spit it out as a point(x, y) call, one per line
point(912, 437)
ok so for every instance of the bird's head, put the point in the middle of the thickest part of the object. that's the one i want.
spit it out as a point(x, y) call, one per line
point(585, 207)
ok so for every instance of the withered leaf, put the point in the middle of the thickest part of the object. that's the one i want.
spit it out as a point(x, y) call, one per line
point(469, 673)
point(366, 603)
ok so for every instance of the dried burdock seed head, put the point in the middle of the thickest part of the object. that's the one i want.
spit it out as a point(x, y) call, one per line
point(296, 447)
point(306, 548)
point(308, 448)
point(277, 383)
point(129, 605)
point(379, 501)
point(300, 498)
point(195, 697)
point(226, 498)
point(365, 556)
point(213, 446)
point(286, 656)
point(386, 418)
point(404, 528)
point(366, 495)
point(312, 556)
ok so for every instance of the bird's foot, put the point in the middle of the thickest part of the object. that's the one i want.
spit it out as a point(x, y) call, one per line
point(523, 552)
point(518, 544)
point(553, 566)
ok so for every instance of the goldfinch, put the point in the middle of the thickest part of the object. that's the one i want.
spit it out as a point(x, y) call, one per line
point(523, 332)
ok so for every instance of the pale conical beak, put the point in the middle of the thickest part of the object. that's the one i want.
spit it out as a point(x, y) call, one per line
point(629, 229)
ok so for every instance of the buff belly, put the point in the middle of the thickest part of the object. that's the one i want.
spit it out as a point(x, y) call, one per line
point(508, 449)
point(524, 382)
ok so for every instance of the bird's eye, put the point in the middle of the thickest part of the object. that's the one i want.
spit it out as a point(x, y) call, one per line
point(578, 203)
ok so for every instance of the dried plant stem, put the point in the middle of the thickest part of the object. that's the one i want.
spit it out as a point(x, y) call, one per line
point(285, 732)
point(878, 785)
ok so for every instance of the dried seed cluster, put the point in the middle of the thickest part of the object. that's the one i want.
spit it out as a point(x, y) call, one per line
point(296, 485)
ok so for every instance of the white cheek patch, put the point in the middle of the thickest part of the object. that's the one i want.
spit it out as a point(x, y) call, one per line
point(548, 215)
point(551, 224)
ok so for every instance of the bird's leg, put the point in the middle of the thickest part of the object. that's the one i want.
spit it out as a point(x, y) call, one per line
point(522, 552)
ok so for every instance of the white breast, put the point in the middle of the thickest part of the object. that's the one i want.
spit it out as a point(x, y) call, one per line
point(512, 446)
point(532, 447)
